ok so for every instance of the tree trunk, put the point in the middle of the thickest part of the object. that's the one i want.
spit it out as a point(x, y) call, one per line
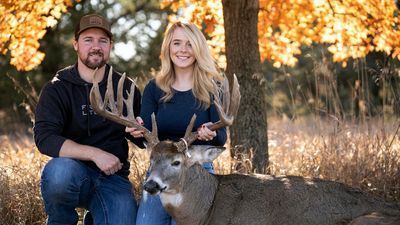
point(243, 59)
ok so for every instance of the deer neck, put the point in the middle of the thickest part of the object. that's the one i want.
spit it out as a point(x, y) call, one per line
point(192, 204)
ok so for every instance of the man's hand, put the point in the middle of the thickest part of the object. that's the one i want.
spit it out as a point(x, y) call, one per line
point(107, 162)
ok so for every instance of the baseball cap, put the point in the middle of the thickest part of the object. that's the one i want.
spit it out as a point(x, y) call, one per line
point(93, 21)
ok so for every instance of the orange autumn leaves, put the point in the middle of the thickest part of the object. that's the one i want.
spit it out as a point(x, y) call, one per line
point(349, 28)
point(22, 24)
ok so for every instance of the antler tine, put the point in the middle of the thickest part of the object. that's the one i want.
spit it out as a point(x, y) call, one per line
point(227, 115)
point(154, 123)
point(109, 96)
point(227, 112)
point(222, 93)
point(120, 95)
point(96, 102)
point(115, 112)
point(189, 137)
point(234, 106)
point(190, 126)
point(131, 95)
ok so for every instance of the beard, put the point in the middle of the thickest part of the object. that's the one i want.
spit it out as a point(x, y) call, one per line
point(93, 64)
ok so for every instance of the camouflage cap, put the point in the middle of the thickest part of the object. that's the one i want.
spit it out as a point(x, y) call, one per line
point(93, 21)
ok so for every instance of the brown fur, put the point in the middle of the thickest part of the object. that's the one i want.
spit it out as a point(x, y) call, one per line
point(238, 199)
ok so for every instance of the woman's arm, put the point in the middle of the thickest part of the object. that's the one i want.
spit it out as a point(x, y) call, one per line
point(149, 103)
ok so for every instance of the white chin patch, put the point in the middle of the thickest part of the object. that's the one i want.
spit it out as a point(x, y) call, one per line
point(175, 200)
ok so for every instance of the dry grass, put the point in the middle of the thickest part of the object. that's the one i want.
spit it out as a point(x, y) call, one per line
point(362, 155)
point(366, 155)
point(20, 167)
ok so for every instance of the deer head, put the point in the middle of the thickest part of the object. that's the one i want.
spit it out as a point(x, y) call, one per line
point(169, 168)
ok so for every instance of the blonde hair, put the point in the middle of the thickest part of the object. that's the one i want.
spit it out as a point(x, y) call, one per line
point(204, 71)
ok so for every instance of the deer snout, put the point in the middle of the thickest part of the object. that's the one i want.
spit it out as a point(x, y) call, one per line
point(153, 187)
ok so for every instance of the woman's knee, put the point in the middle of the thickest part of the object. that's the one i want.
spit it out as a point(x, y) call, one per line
point(151, 211)
point(114, 201)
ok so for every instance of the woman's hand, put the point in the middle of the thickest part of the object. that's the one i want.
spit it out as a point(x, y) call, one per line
point(204, 133)
point(134, 131)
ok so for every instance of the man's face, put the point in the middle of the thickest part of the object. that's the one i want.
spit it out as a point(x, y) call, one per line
point(93, 48)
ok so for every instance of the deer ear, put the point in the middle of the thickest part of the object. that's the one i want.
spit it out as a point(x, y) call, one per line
point(204, 153)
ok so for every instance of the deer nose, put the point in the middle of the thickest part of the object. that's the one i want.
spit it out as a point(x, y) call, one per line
point(152, 187)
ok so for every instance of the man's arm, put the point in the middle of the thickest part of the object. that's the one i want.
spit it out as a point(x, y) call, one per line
point(106, 162)
point(49, 122)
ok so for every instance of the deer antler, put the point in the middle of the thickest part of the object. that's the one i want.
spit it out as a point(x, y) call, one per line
point(114, 112)
point(227, 111)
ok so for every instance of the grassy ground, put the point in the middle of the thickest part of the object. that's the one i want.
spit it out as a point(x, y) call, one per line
point(365, 155)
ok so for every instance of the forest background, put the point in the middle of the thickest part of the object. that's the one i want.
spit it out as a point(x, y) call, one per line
point(327, 107)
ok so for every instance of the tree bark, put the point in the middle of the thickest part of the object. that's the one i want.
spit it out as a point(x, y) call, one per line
point(243, 59)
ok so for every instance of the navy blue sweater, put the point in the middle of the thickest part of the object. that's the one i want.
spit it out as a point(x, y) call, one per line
point(64, 112)
point(174, 116)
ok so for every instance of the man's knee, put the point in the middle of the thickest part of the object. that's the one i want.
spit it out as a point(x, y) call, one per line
point(61, 176)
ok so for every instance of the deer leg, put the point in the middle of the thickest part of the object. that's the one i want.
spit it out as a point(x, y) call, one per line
point(376, 218)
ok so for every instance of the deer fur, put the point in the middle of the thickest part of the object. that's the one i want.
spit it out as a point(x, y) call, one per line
point(192, 196)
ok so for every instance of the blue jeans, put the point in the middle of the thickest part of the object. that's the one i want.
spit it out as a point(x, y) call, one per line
point(151, 210)
point(67, 184)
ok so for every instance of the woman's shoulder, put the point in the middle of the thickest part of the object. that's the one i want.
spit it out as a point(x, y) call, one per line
point(151, 87)
point(152, 82)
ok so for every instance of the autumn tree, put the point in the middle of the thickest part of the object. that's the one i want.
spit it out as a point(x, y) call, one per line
point(349, 28)
point(22, 24)
point(138, 23)
point(243, 59)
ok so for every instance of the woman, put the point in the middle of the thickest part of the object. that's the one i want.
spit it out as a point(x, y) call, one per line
point(182, 87)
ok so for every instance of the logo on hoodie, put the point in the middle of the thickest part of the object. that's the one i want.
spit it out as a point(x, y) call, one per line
point(87, 109)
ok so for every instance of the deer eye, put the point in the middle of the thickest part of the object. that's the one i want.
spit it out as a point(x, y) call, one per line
point(176, 163)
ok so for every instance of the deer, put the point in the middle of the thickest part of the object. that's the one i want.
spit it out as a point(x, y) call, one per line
point(193, 196)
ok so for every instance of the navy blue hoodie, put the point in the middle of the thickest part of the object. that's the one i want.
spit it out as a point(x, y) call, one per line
point(64, 112)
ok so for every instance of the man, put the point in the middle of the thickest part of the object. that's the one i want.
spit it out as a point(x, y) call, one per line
point(89, 168)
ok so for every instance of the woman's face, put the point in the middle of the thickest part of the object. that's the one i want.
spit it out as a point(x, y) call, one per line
point(180, 50)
